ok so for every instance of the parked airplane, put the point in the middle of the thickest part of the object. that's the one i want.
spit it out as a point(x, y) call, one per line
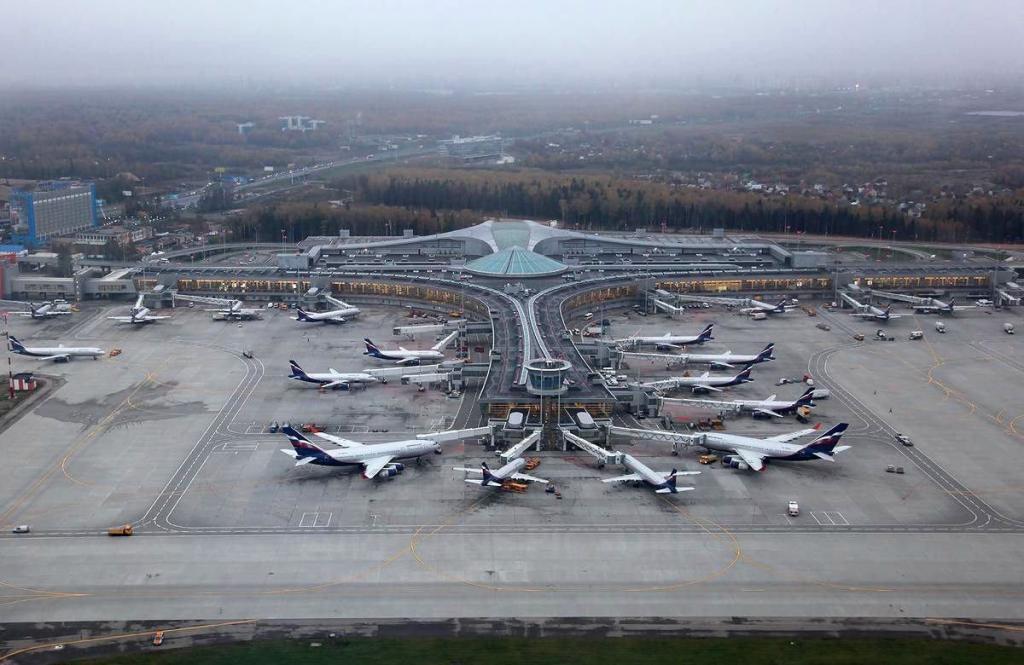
point(46, 310)
point(139, 315)
point(768, 407)
point(757, 306)
point(668, 340)
point(332, 378)
point(752, 453)
point(873, 313)
point(375, 458)
point(333, 316)
point(230, 309)
point(58, 353)
point(404, 356)
point(661, 482)
point(703, 383)
point(497, 477)
point(727, 360)
point(936, 306)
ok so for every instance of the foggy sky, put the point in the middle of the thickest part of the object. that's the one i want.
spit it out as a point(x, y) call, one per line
point(436, 43)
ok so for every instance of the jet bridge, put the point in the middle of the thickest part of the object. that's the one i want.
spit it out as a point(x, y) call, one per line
point(675, 438)
point(340, 304)
point(453, 434)
point(671, 310)
point(447, 340)
point(403, 370)
point(1005, 297)
point(901, 297)
point(851, 301)
point(521, 447)
point(597, 452)
point(412, 331)
point(422, 379)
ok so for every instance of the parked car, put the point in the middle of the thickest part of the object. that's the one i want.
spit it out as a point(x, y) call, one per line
point(793, 510)
point(21, 528)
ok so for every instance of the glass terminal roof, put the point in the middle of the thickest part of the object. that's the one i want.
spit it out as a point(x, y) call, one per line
point(515, 262)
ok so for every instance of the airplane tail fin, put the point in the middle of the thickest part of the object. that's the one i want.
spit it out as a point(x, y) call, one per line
point(744, 375)
point(371, 348)
point(706, 333)
point(16, 344)
point(297, 372)
point(806, 398)
point(827, 442)
point(485, 471)
point(303, 446)
point(670, 482)
point(767, 353)
point(301, 314)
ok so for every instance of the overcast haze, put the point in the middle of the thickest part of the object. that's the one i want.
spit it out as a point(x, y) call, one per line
point(444, 42)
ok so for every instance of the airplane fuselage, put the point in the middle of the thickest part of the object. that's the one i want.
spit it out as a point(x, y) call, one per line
point(332, 377)
point(69, 351)
point(728, 443)
point(396, 449)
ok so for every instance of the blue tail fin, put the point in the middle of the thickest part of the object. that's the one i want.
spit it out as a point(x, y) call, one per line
point(297, 372)
point(827, 441)
point(303, 446)
point(767, 353)
point(744, 375)
point(16, 345)
point(670, 482)
point(371, 348)
point(301, 314)
point(486, 472)
point(706, 333)
point(806, 398)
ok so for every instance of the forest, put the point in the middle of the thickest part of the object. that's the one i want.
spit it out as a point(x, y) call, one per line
point(609, 202)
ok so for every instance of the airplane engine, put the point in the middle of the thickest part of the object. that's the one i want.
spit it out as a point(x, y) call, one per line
point(758, 415)
point(734, 462)
point(396, 468)
point(437, 449)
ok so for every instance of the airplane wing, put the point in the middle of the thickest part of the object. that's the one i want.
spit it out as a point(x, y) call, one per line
point(785, 438)
point(155, 318)
point(123, 319)
point(622, 479)
point(407, 361)
point(474, 481)
point(754, 460)
point(465, 469)
point(338, 441)
point(57, 356)
point(372, 466)
point(304, 460)
point(711, 388)
point(665, 490)
point(528, 478)
point(767, 412)
point(402, 349)
point(341, 382)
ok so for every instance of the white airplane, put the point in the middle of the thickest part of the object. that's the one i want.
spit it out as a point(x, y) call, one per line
point(230, 309)
point(752, 453)
point(46, 310)
point(333, 316)
point(873, 313)
point(727, 360)
point(936, 306)
point(497, 477)
point(754, 306)
point(375, 458)
point(331, 378)
point(55, 353)
point(703, 383)
point(404, 356)
point(768, 407)
point(663, 483)
point(139, 315)
point(668, 340)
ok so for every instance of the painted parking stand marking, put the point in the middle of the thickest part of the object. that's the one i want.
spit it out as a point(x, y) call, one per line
point(830, 518)
point(315, 520)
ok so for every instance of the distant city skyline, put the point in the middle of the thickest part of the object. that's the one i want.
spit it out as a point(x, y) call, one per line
point(511, 43)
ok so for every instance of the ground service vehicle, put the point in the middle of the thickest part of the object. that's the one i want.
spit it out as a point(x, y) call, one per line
point(940, 327)
point(793, 509)
point(123, 530)
point(1008, 328)
point(916, 334)
point(904, 439)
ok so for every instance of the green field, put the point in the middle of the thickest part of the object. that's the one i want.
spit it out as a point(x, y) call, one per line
point(598, 651)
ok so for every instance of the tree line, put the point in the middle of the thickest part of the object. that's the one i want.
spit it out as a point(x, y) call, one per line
point(610, 202)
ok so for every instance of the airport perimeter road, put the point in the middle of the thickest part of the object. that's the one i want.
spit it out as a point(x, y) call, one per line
point(438, 574)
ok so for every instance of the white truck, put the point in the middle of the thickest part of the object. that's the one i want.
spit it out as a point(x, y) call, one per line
point(940, 327)
point(1008, 328)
